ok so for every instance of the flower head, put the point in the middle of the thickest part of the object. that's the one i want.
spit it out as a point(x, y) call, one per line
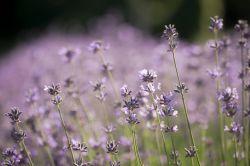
point(52, 89)
point(14, 115)
point(147, 75)
point(97, 46)
point(216, 23)
point(112, 147)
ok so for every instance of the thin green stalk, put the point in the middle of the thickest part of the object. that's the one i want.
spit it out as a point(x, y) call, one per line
point(158, 144)
point(110, 75)
point(235, 149)
point(221, 119)
point(25, 148)
point(159, 125)
point(135, 145)
point(184, 105)
point(172, 141)
point(66, 133)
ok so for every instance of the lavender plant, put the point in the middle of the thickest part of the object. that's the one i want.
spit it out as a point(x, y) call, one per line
point(198, 122)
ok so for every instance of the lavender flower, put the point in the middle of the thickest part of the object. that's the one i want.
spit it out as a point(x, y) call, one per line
point(112, 147)
point(230, 104)
point(235, 128)
point(96, 46)
point(191, 151)
point(77, 146)
point(170, 32)
point(132, 119)
point(109, 129)
point(181, 88)
point(17, 135)
point(216, 23)
point(52, 90)
point(147, 75)
point(14, 115)
point(215, 73)
point(31, 96)
point(125, 92)
point(98, 85)
point(131, 104)
point(57, 100)
point(115, 163)
point(169, 129)
point(69, 53)
point(241, 26)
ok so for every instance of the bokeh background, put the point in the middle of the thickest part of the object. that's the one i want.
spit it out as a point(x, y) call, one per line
point(25, 19)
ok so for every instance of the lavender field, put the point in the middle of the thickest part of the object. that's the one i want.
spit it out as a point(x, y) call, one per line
point(118, 97)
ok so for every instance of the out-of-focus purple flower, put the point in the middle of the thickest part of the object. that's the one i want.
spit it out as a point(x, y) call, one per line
point(170, 32)
point(14, 115)
point(97, 46)
point(132, 119)
point(169, 129)
point(191, 151)
point(131, 104)
point(229, 94)
point(78, 146)
point(98, 85)
point(241, 26)
point(235, 128)
point(31, 96)
point(147, 75)
point(215, 73)
point(216, 24)
point(125, 91)
point(52, 89)
point(69, 53)
point(57, 100)
point(112, 147)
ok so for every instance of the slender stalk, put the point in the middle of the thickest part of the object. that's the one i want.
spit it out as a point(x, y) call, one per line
point(25, 148)
point(172, 142)
point(235, 149)
point(110, 75)
point(184, 105)
point(66, 133)
point(135, 145)
point(159, 125)
point(221, 119)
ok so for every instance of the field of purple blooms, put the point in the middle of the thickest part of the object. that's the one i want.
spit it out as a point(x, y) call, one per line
point(117, 97)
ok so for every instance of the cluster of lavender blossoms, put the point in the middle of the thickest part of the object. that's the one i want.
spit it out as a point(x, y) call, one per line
point(185, 105)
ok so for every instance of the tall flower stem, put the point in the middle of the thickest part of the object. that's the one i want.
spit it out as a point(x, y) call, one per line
point(66, 133)
point(110, 75)
point(135, 146)
point(172, 142)
point(184, 105)
point(25, 148)
point(221, 119)
point(159, 125)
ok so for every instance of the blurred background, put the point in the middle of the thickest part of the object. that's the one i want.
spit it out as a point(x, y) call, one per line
point(25, 19)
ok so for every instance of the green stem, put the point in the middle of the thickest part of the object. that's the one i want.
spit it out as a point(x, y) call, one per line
point(66, 133)
point(172, 141)
point(135, 145)
point(159, 126)
point(184, 105)
point(25, 148)
point(110, 75)
point(221, 119)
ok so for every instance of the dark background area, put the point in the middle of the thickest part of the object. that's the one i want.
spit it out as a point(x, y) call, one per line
point(23, 18)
